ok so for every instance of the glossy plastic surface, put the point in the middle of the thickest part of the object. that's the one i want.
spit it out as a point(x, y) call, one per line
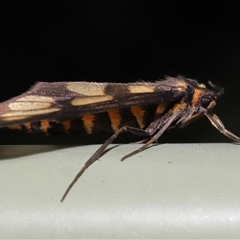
point(167, 191)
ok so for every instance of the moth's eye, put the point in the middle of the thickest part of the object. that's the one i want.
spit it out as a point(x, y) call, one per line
point(206, 100)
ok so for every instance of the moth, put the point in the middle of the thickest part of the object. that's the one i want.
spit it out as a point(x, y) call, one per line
point(143, 108)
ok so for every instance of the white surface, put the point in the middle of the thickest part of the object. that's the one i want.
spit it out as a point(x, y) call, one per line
point(167, 191)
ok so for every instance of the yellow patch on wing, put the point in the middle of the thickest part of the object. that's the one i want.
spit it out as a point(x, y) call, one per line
point(115, 119)
point(88, 122)
point(140, 89)
point(87, 89)
point(10, 116)
point(90, 100)
point(35, 98)
point(138, 113)
point(28, 105)
point(13, 118)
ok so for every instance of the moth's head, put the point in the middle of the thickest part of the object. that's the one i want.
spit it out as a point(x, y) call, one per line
point(209, 97)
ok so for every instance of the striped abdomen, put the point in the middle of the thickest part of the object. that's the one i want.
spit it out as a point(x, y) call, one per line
point(109, 121)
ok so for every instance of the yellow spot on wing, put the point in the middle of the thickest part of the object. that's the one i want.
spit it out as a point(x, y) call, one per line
point(115, 119)
point(10, 116)
point(87, 89)
point(138, 112)
point(88, 122)
point(140, 89)
point(13, 118)
point(35, 98)
point(28, 105)
point(90, 100)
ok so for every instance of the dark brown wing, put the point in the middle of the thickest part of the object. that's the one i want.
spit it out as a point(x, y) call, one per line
point(59, 101)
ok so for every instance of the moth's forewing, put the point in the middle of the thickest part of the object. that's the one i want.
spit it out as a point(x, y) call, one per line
point(59, 101)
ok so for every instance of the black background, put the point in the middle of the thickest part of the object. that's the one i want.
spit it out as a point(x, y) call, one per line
point(123, 41)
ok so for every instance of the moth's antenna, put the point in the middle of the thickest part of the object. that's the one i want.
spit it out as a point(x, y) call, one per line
point(218, 90)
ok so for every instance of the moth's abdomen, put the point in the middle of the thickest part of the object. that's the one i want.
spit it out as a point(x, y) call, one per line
point(109, 121)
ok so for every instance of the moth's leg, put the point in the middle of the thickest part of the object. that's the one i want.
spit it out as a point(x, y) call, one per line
point(100, 151)
point(135, 131)
point(158, 123)
point(162, 126)
point(150, 130)
point(143, 141)
point(187, 121)
point(154, 126)
point(217, 123)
